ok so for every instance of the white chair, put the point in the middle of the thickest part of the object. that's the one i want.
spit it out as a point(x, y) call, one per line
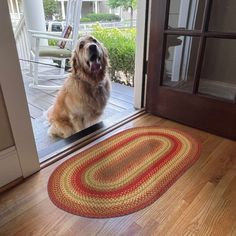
point(38, 52)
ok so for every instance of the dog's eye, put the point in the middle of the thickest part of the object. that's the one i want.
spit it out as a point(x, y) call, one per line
point(81, 45)
point(94, 40)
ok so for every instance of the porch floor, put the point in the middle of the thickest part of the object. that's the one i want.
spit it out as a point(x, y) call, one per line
point(119, 105)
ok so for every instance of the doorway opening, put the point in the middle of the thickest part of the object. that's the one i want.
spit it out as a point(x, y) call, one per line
point(116, 28)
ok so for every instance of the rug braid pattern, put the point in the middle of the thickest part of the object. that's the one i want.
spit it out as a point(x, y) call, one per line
point(123, 173)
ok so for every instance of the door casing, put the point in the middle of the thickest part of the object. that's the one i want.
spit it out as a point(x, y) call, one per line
point(14, 96)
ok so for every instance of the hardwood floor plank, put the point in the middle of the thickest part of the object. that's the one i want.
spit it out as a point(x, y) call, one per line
point(204, 207)
point(201, 202)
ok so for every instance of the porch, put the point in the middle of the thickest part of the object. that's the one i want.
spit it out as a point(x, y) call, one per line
point(120, 103)
point(119, 106)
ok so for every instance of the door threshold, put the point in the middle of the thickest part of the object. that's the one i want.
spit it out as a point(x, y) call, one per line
point(73, 143)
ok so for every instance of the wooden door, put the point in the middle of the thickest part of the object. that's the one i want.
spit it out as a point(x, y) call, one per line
point(192, 63)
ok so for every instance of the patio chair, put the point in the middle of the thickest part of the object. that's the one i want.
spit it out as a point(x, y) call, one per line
point(61, 52)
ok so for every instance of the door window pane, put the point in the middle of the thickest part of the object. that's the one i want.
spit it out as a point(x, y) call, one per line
point(186, 14)
point(180, 61)
point(223, 16)
point(218, 76)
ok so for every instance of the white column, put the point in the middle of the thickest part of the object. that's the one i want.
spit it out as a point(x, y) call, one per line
point(96, 6)
point(34, 16)
point(121, 13)
point(63, 10)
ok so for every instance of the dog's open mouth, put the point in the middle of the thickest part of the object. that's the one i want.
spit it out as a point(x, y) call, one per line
point(94, 64)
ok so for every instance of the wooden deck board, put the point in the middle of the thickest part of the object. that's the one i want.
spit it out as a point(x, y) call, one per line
point(121, 96)
point(34, 111)
point(201, 202)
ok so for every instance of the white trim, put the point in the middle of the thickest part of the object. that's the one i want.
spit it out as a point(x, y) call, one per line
point(17, 9)
point(139, 54)
point(14, 96)
point(7, 152)
point(12, 7)
point(9, 166)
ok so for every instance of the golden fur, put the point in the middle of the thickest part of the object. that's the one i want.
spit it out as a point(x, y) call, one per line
point(84, 95)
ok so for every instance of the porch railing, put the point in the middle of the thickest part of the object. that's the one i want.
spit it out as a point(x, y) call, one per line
point(121, 24)
point(22, 41)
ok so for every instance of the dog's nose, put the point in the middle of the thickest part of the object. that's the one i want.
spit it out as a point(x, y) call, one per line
point(93, 48)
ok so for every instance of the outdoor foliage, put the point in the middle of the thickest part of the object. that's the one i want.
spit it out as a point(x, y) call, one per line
point(50, 8)
point(99, 17)
point(52, 42)
point(126, 4)
point(120, 44)
point(122, 3)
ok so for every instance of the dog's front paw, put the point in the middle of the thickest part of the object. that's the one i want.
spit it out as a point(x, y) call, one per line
point(64, 132)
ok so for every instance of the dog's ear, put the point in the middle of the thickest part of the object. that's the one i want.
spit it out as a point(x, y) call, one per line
point(74, 63)
point(105, 56)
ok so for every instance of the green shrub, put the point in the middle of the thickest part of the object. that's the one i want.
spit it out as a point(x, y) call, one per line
point(99, 17)
point(52, 42)
point(85, 20)
point(120, 44)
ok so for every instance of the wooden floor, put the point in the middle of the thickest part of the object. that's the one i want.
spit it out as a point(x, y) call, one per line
point(119, 105)
point(201, 202)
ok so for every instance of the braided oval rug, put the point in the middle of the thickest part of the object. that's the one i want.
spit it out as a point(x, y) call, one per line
point(123, 173)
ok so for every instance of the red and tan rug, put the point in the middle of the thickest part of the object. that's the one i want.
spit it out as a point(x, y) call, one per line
point(123, 173)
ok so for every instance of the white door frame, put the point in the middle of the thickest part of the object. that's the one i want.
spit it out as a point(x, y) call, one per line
point(139, 54)
point(14, 96)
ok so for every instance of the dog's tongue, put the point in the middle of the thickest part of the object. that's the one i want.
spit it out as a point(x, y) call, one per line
point(95, 66)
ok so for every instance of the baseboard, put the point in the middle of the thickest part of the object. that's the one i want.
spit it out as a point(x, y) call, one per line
point(11, 185)
point(10, 169)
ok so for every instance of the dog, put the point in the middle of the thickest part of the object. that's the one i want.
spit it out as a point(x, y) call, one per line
point(82, 99)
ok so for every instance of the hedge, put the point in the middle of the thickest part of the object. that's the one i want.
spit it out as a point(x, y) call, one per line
point(120, 44)
point(100, 17)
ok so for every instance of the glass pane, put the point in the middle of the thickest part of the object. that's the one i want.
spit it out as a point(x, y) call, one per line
point(180, 61)
point(186, 14)
point(223, 16)
point(218, 76)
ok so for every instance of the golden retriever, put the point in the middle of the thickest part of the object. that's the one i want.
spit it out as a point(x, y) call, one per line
point(81, 100)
